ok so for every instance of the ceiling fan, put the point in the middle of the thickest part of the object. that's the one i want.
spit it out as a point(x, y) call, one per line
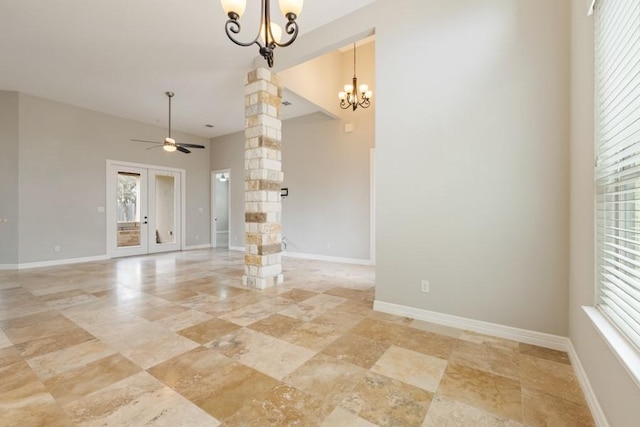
point(169, 143)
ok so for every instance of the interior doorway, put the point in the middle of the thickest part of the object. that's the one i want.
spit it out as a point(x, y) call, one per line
point(221, 208)
point(144, 209)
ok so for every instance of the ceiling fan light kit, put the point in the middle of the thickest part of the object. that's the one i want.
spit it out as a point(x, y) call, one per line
point(170, 145)
point(269, 34)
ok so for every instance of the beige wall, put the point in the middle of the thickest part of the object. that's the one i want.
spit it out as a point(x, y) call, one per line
point(472, 135)
point(312, 79)
point(9, 136)
point(327, 173)
point(62, 160)
point(615, 390)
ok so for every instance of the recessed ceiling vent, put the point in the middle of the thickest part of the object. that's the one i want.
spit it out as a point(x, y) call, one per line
point(209, 125)
point(286, 103)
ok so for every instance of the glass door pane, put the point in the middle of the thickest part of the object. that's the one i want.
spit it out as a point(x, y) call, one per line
point(128, 215)
point(128, 209)
point(165, 210)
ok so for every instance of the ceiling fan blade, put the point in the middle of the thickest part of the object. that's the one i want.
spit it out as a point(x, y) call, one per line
point(144, 140)
point(155, 146)
point(191, 145)
point(182, 149)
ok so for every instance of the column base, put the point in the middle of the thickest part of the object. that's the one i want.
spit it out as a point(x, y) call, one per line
point(262, 282)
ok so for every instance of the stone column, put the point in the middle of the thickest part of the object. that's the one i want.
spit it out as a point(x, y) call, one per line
point(263, 179)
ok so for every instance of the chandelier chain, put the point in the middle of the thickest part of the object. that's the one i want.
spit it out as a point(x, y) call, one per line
point(354, 60)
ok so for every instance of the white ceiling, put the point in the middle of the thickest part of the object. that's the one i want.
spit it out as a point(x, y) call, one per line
point(120, 57)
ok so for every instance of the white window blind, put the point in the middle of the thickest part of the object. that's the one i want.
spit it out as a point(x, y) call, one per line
point(617, 73)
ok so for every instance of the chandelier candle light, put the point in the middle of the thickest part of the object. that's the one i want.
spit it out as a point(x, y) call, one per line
point(269, 33)
point(349, 97)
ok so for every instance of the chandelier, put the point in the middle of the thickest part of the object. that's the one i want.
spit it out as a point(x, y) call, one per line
point(269, 33)
point(349, 97)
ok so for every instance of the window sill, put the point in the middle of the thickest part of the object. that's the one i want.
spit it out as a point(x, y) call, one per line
point(626, 353)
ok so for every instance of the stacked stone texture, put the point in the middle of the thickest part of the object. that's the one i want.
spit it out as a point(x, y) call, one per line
point(263, 180)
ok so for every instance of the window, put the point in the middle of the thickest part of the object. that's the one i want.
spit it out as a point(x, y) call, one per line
point(617, 74)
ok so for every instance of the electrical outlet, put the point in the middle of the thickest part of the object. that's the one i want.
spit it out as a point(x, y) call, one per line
point(56, 248)
point(424, 286)
point(197, 237)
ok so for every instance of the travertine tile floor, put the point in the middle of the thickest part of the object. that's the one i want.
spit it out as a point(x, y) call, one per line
point(174, 340)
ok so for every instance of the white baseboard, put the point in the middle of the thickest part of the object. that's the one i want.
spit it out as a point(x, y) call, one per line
point(541, 339)
point(356, 261)
point(596, 410)
point(236, 248)
point(54, 262)
point(192, 247)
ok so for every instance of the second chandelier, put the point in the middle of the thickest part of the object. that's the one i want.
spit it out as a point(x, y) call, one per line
point(350, 97)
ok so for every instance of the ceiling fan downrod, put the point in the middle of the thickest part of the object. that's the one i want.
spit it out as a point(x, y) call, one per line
point(170, 95)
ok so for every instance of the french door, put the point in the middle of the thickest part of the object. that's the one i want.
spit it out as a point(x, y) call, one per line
point(145, 209)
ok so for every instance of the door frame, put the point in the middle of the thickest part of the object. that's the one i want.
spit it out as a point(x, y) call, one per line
point(372, 206)
point(110, 217)
point(214, 235)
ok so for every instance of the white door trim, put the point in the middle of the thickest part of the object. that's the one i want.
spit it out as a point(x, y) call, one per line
point(110, 214)
point(214, 237)
point(372, 206)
